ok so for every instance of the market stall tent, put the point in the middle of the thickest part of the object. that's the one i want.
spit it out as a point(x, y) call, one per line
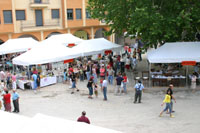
point(65, 39)
point(45, 53)
point(46, 124)
point(13, 123)
point(95, 46)
point(176, 52)
point(17, 45)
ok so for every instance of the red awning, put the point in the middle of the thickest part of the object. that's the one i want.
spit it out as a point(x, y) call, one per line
point(71, 45)
point(67, 61)
point(188, 63)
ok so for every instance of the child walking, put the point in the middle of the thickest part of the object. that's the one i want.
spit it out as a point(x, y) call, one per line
point(167, 100)
point(96, 90)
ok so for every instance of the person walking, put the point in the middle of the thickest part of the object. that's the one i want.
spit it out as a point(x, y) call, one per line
point(171, 94)
point(6, 99)
point(15, 98)
point(119, 84)
point(104, 87)
point(38, 81)
point(90, 87)
point(34, 77)
point(14, 78)
point(167, 100)
point(83, 118)
point(73, 79)
point(125, 81)
point(138, 91)
point(193, 82)
point(110, 75)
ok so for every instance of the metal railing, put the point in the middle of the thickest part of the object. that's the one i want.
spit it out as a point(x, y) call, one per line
point(46, 23)
point(39, 1)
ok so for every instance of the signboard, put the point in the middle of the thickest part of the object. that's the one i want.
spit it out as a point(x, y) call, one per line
point(108, 52)
point(71, 45)
point(188, 63)
point(67, 61)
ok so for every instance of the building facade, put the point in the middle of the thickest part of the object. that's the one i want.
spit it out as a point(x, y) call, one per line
point(42, 18)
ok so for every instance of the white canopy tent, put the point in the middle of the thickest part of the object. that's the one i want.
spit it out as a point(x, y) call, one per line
point(95, 46)
point(13, 123)
point(175, 53)
point(47, 124)
point(45, 53)
point(51, 52)
point(64, 39)
point(17, 45)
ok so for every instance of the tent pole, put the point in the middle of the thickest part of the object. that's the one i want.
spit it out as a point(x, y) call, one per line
point(29, 75)
point(186, 76)
point(149, 72)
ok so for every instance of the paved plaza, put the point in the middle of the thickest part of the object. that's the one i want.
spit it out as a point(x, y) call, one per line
point(119, 112)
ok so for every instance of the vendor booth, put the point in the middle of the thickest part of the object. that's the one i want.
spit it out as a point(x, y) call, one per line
point(95, 46)
point(17, 45)
point(64, 39)
point(176, 52)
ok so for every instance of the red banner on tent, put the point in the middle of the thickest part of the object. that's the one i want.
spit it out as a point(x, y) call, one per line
point(67, 61)
point(71, 45)
point(108, 52)
point(188, 63)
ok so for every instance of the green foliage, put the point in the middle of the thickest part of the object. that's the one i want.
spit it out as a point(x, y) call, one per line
point(155, 21)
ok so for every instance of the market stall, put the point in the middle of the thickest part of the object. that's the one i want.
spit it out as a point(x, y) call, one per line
point(95, 46)
point(18, 45)
point(171, 53)
point(64, 39)
point(45, 81)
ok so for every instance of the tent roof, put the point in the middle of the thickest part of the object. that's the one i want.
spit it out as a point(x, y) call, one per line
point(64, 39)
point(175, 53)
point(45, 53)
point(46, 124)
point(95, 46)
point(17, 45)
point(13, 123)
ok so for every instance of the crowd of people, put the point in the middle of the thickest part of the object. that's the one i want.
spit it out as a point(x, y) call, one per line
point(108, 69)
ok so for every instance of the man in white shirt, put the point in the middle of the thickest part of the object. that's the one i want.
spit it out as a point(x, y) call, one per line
point(104, 86)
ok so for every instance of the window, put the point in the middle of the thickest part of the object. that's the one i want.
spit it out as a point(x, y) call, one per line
point(78, 14)
point(55, 13)
point(37, 1)
point(70, 14)
point(88, 14)
point(20, 15)
point(7, 15)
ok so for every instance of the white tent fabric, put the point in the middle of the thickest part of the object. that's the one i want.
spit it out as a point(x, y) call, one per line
point(11, 123)
point(175, 53)
point(45, 53)
point(64, 39)
point(95, 46)
point(47, 124)
point(17, 45)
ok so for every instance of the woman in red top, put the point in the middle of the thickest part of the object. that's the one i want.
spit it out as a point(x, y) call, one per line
point(125, 82)
point(6, 98)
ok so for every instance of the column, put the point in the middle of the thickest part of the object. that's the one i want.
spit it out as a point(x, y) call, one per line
point(83, 13)
point(92, 33)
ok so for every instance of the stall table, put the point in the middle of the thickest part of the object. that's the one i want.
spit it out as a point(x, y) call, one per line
point(43, 82)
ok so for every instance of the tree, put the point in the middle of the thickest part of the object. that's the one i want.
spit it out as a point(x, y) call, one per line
point(154, 21)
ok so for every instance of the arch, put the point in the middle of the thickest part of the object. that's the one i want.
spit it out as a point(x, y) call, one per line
point(82, 34)
point(52, 33)
point(100, 33)
point(1, 41)
point(28, 35)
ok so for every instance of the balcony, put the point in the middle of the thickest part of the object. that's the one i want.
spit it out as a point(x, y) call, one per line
point(39, 3)
point(31, 25)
